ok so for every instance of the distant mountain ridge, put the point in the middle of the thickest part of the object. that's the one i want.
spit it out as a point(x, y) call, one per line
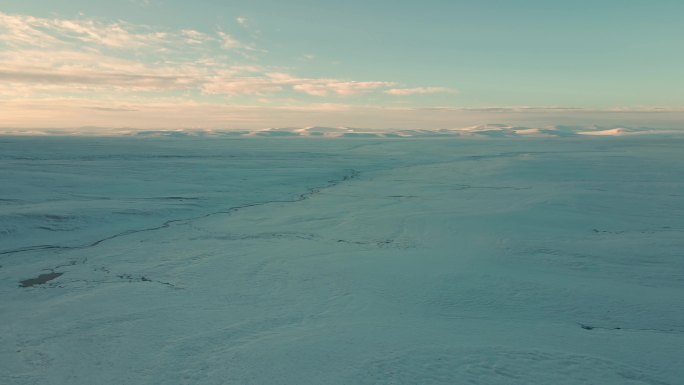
point(478, 131)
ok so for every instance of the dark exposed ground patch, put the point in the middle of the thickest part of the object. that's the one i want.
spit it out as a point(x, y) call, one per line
point(142, 278)
point(592, 327)
point(177, 198)
point(39, 280)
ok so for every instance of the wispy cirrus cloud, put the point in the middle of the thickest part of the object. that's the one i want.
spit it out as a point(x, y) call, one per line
point(49, 56)
point(325, 87)
point(95, 79)
point(20, 31)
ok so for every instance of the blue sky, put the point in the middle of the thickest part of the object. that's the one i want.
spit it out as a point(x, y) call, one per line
point(258, 63)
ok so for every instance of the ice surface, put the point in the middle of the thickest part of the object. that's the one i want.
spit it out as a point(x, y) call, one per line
point(217, 259)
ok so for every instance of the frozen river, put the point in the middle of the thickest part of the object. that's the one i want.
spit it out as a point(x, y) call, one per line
point(261, 261)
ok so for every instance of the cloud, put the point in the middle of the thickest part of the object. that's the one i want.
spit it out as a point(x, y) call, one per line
point(241, 85)
point(141, 3)
point(112, 109)
point(312, 89)
point(252, 81)
point(355, 87)
point(328, 87)
point(195, 37)
point(22, 31)
point(230, 42)
point(52, 56)
point(98, 54)
point(419, 91)
point(64, 56)
point(323, 87)
point(99, 79)
point(61, 72)
point(41, 73)
point(178, 113)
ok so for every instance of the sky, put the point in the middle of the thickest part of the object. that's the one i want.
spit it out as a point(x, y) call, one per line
point(378, 64)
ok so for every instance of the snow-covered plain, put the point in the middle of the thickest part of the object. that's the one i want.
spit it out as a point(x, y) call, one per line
point(532, 259)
